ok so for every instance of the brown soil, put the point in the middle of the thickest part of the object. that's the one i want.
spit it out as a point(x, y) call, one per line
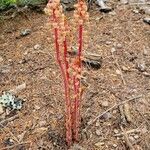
point(40, 122)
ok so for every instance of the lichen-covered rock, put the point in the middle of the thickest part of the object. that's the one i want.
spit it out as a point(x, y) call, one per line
point(8, 100)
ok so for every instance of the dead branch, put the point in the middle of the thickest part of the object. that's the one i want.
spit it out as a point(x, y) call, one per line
point(128, 132)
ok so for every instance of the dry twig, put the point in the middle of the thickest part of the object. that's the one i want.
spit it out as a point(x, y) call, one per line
point(128, 132)
point(9, 119)
point(13, 136)
point(114, 106)
point(128, 143)
point(15, 145)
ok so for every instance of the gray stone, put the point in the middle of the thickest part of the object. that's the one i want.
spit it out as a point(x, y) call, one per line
point(147, 20)
point(25, 32)
point(107, 116)
point(141, 66)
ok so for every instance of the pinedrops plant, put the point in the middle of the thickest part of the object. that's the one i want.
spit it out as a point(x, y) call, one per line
point(71, 68)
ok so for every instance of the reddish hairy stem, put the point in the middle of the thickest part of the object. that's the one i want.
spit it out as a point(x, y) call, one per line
point(68, 89)
point(65, 79)
point(68, 105)
point(77, 88)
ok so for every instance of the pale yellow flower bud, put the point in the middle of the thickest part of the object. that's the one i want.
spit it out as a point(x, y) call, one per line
point(81, 22)
point(55, 25)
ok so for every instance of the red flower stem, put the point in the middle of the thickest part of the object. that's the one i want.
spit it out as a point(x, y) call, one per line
point(64, 76)
point(77, 87)
point(74, 107)
point(66, 61)
point(68, 89)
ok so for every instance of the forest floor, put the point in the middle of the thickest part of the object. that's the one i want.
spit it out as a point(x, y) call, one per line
point(122, 40)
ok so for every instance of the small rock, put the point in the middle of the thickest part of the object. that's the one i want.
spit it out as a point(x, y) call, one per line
point(146, 74)
point(1, 59)
point(125, 68)
point(1, 109)
point(118, 138)
point(119, 45)
point(98, 132)
point(147, 20)
point(10, 60)
point(135, 11)
point(114, 111)
point(141, 67)
point(116, 131)
point(105, 104)
point(115, 145)
point(136, 136)
point(98, 18)
point(106, 9)
point(99, 144)
point(107, 116)
point(25, 32)
point(113, 13)
point(108, 42)
point(113, 50)
point(118, 72)
point(9, 142)
point(103, 7)
point(37, 47)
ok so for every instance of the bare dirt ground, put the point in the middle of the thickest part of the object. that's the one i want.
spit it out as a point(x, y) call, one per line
point(122, 39)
